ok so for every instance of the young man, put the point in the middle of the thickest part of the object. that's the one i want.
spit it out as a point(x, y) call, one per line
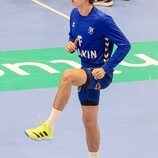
point(93, 34)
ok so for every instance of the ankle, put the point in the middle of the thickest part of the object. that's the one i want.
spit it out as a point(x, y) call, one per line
point(94, 154)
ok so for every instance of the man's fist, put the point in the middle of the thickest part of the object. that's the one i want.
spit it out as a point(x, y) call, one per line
point(98, 73)
point(71, 46)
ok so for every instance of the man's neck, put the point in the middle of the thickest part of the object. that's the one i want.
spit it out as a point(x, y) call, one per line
point(85, 9)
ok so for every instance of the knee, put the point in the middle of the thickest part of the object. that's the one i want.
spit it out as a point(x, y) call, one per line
point(89, 122)
point(66, 77)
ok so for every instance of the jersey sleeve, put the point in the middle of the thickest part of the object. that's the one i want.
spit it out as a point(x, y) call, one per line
point(114, 34)
point(71, 37)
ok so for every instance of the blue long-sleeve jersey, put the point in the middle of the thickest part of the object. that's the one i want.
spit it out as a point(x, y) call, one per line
point(96, 34)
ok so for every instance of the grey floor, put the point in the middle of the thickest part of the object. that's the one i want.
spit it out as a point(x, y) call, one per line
point(128, 111)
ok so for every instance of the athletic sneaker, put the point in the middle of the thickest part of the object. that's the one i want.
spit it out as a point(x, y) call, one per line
point(105, 3)
point(40, 133)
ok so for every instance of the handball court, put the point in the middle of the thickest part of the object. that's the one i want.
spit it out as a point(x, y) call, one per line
point(128, 113)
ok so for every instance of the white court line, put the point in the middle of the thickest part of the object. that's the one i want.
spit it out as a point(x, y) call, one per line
point(51, 9)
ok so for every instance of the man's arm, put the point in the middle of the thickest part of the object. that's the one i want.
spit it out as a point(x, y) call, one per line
point(114, 34)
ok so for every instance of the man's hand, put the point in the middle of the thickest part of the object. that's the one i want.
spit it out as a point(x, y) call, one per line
point(71, 46)
point(98, 73)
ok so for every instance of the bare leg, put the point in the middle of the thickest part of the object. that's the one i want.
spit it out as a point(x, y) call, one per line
point(70, 77)
point(90, 120)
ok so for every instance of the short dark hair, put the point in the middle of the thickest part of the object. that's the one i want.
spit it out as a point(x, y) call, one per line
point(91, 1)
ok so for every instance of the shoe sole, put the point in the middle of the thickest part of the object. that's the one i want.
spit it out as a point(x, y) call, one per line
point(36, 139)
point(103, 4)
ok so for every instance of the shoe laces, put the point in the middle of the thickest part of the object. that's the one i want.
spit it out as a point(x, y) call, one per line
point(40, 119)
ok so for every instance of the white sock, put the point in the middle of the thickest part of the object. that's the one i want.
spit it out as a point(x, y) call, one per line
point(93, 154)
point(54, 115)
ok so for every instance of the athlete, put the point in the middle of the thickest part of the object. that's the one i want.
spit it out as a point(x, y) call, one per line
point(93, 34)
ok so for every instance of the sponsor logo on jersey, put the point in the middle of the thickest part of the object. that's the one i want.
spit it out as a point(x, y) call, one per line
point(73, 24)
point(98, 86)
point(91, 30)
point(89, 54)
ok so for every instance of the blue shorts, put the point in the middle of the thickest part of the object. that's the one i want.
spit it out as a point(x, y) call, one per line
point(89, 93)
